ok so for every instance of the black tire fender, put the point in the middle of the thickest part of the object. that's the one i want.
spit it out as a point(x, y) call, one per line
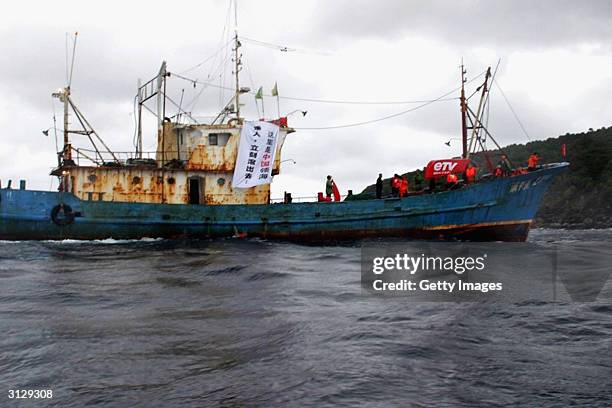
point(62, 215)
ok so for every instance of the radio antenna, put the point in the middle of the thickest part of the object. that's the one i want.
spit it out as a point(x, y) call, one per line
point(74, 44)
point(237, 60)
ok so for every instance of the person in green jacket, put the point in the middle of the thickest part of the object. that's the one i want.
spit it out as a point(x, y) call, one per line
point(505, 165)
point(329, 187)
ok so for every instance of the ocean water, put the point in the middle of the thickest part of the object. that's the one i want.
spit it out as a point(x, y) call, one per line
point(241, 323)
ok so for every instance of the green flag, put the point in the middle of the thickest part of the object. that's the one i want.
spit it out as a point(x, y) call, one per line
point(275, 90)
point(259, 94)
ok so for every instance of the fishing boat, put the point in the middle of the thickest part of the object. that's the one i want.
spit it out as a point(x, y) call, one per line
point(213, 180)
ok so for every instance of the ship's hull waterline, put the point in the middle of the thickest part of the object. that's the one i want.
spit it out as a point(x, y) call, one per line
point(500, 209)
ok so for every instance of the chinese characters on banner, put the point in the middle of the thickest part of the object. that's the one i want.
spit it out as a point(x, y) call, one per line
point(255, 154)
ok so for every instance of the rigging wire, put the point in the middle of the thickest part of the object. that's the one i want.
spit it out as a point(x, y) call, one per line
point(367, 122)
point(198, 65)
point(54, 125)
point(74, 44)
point(225, 37)
point(249, 71)
point(340, 102)
point(213, 73)
point(344, 102)
point(422, 105)
point(512, 110)
point(282, 48)
point(267, 44)
point(476, 136)
point(135, 137)
point(66, 53)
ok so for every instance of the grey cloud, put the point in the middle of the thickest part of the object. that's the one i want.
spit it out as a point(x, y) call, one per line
point(522, 23)
point(108, 66)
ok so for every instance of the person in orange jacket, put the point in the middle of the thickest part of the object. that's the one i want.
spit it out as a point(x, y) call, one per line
point(470, 173)
point(532, 163)
point(395, 185)
point(452, 180)
point(403, 187)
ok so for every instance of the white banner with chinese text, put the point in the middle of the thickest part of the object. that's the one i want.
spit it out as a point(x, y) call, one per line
point(255, 154)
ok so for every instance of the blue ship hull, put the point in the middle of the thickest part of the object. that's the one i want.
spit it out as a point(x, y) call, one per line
point(499, 209)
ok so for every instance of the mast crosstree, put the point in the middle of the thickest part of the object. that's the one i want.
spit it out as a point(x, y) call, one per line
point(86, 129)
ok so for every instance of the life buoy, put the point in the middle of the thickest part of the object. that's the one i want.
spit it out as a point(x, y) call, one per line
point(62, 215)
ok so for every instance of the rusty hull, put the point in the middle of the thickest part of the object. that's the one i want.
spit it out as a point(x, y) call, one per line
point(138, 184)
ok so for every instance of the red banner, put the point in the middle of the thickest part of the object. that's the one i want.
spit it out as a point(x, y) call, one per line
point(440, 168)
point(336, 192)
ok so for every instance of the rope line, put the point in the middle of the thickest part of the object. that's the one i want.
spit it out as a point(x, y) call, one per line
point(422, 104)
point(346, 102)
point(367, 122)
point(512, 110)
point(208, 59)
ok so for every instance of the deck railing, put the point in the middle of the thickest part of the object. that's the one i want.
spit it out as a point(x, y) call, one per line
point(97, 158)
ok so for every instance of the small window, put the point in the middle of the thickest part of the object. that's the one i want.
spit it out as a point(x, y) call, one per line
point(218, 139)
point(194, 134)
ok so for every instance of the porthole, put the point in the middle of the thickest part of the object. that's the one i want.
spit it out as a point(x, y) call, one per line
point(220, 181)
point(136, 180)
point(92, 178)
point(171, 180)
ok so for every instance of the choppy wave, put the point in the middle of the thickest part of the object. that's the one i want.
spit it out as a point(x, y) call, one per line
point(260, 323)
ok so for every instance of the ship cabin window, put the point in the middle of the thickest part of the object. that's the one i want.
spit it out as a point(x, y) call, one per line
point(218, 139)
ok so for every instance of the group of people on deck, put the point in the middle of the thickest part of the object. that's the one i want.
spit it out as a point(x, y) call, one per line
point(504, 167)
point(399, 184)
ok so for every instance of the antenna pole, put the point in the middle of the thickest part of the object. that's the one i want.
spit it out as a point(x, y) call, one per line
point(237, 62)
point(76, 34)
point(139, 140)
point(463, 114)
point(65, 98)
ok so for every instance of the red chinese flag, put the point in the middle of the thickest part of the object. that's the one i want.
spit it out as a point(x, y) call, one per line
point(336, 191)
point(563, 150)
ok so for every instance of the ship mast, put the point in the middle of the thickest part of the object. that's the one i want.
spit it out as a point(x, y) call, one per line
point(237, 61)
point(463, 114)
point(66, 151)
point(65, 98)
point(477, 125)
point(87, 130)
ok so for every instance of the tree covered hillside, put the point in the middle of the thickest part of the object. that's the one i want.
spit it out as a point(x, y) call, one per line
point(580, 197)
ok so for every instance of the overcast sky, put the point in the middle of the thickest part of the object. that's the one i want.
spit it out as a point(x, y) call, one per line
point(556, 70)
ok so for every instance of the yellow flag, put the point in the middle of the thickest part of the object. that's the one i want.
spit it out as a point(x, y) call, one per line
point(275, 90)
